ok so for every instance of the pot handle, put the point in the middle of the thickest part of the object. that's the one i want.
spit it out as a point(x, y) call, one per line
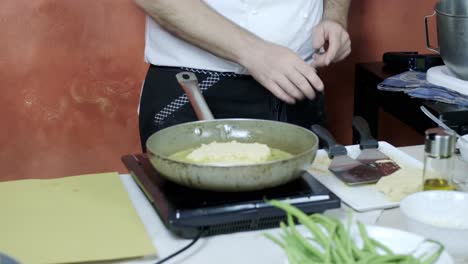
point(189, 83)
point(428, 44)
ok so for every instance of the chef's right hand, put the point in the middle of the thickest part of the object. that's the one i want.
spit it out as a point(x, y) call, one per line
point(282, 72)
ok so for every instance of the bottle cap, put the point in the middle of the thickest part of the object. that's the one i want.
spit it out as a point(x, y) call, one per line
point(439, 143)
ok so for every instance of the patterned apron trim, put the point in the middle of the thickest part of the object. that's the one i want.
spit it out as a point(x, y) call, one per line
point(212, 78)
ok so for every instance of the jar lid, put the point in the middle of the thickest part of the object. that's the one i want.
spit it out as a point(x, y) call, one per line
point(439, 143)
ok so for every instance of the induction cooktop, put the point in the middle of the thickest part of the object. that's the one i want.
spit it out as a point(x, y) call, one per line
point(189, 212)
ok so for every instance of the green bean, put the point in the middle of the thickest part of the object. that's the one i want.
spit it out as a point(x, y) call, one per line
point(298, 251)
point(345, 258)
point(412, 261)
point(365, 259)
point(293, 239)
point(295, 255)
point(293, 249)
point(335, 258)
point(331, 242)
point(348, 232)
point(367, 243)
point(289, 254)
point(381, 259)
point(302, 240)
point(339, 245)
point(343, 242)
point(381, 246)
point(275, 240)
point(303, 219)
point(435, 256)
point(284, 228)
point(324, 221)
point(332, 228)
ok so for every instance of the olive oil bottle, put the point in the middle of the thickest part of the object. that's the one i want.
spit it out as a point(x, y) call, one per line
point(438, 184)
point(438, 159)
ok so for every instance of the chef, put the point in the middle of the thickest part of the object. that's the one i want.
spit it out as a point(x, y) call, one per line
point(253, 58)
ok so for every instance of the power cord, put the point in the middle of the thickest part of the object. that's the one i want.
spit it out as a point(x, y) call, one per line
point(200, 233)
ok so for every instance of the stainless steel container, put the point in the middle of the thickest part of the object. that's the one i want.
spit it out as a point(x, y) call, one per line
point(452, 35)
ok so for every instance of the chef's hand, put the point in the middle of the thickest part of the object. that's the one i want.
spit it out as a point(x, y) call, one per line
point(282, 72)
point(333, 38)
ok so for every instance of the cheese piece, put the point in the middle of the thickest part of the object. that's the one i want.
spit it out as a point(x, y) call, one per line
point(320, 165)
point(230, 153)
point(401, 183)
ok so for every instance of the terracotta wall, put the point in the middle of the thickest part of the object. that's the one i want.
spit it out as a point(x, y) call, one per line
point(70, 76)
point(375, 26)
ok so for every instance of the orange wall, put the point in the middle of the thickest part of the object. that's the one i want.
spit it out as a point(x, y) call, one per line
point(70, 76)
point(375, 26)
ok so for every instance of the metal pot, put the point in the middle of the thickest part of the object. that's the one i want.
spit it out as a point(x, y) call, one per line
point(298, 141)
point(452, 35)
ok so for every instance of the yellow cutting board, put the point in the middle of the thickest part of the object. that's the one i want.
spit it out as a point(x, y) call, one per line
point(71, 219)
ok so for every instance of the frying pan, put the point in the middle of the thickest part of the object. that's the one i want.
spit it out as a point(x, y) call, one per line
point(296, 140)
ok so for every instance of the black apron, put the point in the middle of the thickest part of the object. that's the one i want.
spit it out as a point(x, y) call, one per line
point(163, 102)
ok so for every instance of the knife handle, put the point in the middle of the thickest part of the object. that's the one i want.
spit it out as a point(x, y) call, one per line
point(333, 148)
point(366, 141)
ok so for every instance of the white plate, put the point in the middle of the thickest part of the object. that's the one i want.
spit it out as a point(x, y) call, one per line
point(400, 242)
point(365, 197)
point(442, 76)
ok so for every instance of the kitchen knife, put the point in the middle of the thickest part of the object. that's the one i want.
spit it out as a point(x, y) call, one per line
point(349, 170)
point(370, 153)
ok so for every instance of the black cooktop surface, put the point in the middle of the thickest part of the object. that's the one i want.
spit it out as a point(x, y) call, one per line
point(182, 208)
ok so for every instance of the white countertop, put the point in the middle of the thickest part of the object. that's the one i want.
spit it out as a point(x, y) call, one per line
point(243, 247)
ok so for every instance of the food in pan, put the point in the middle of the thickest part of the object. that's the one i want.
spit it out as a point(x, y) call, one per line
point(230, 153)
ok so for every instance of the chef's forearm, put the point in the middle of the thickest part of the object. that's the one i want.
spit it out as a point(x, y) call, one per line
point(337, 10)
point(197, 23)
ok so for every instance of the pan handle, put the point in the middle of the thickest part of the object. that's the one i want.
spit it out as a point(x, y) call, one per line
point(189, 83)
point(333, 148)
point(366, 141)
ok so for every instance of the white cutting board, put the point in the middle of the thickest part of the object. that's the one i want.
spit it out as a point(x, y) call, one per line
point(364, 197)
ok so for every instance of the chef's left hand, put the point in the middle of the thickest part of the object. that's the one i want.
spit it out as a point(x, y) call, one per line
point(333, 38)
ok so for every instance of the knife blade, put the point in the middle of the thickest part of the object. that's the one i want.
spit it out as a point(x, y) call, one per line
point(370, 153)
point(350, 171)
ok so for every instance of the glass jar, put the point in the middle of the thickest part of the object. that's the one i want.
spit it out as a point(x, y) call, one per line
point(438, 159)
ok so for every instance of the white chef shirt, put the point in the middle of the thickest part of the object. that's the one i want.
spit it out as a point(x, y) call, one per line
point(287, 23)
